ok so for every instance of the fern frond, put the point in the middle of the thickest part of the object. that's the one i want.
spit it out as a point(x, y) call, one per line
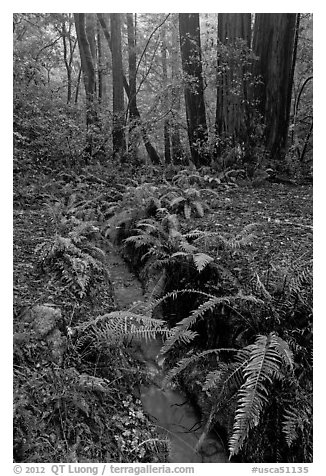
point(268, 357)
point(187, 211)
point(297, 418)
point(116, 326)
point(227, 376)
point(208, 306)
point(176, 201)
point(199, 208)
point(187, 247)
point(290, 424)
point(186, 361)
point(141, 240)
point(201, 260)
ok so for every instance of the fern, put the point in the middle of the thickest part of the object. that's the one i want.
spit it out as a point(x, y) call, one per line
point(163, 245)
point(118, 326)
point(186, 361)
point(201, 260)
point(210, 305)
point(73, 259)
point(186, 201)
point(269, 357)
point(227, 376)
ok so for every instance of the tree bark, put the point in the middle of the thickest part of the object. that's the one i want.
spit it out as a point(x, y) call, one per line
point(177, 150)
point(118, 135)
point(153, 155)
point(132, 65)
point(88, 68)
point(166, 126)
point(273, 43)
point(194, 86)
point(231, 85)
point(132, 104)
point(78, 84)
point(100, 81)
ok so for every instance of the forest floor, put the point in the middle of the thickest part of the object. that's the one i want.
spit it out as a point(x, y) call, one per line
point(284, 234)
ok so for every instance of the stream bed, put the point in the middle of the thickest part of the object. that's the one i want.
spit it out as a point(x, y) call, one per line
point(175, 417)
point(171, 412)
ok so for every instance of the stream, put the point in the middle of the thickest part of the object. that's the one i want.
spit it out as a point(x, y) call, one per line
point(175, 417)
point(168, 408)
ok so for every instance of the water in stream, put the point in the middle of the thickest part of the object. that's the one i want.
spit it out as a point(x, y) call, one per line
point(175, 417)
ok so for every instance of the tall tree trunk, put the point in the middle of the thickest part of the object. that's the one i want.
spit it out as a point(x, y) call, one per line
point(132, 65)
point(166, 127)
point(88, 69)
point(78, 84)
point(69, 45)
point(100, 93)
point(66, 60)
point(273, 43)
point(231, 85)
point(194, 86)
point(132, 104)
point(90, 28)
point(119, 143)
point(153, 155)
point(177, 150)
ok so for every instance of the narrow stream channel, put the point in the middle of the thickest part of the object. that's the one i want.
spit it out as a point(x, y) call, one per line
point(175, 417)
point(168, 408)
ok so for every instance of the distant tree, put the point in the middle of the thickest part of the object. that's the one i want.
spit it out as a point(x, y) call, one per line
point(100, 61)
point(176, 145)
point(302, 107)
point(194, 86)
point(273, 43)
point(119, 144)
point(231, 84)
point(132, 103)
point(166, 126)
point(152, 153)
point(69, 45)
point(86, 51)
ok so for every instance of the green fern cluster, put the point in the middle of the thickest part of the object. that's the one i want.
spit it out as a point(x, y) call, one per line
point(164, 248)
point(73, 260)
point(268, 381)
point(118, 327)
point(207, 177)
point(248, 378)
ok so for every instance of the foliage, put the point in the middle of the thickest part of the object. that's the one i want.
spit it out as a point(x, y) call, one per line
point(269, 356)
point(263, 378)
point(241, 337)
point(72, 258)
point(76, 413)
point(118, 327)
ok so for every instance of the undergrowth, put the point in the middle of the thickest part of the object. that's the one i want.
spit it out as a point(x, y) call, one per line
point(259, 329)
point(239, 339)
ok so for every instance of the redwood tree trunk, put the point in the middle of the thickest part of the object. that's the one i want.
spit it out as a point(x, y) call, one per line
point(177, 150)
point(119, 144)
point(153, 155)
point(78, 84)
point(231, 86)
point(88, 68)
point(194, 86)
point(166, 126)
point(100, 93)
point(69, 45)
point(273, 43)
point(133, 117)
